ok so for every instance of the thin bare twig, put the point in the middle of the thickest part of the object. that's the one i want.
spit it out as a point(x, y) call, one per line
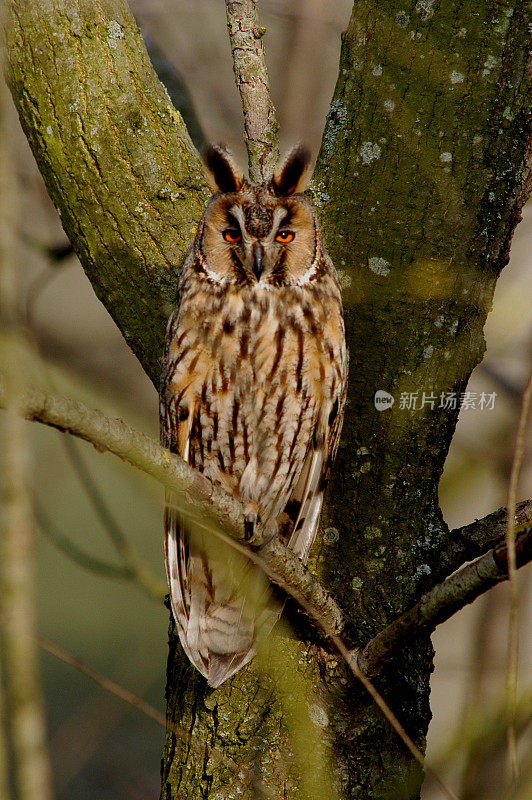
point(75, 553)
point(251, 76)
point(513, 628)
point(43, 278)
point(133, 564)
point(105, 683)
point(145, 708)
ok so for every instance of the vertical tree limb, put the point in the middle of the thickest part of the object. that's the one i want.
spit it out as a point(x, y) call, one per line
point(32, 773)
point(24, 702)
point(251, 76)
point(4, 761)
point(513, 629)
point(115, 155)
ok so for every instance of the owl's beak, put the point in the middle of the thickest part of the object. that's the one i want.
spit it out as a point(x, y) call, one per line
point(258, 254)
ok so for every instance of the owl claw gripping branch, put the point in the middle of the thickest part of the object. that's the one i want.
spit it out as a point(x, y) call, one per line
point(252, 395)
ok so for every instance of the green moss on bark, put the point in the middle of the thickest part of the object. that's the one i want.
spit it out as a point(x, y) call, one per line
point(420, 181)
point(116, 156)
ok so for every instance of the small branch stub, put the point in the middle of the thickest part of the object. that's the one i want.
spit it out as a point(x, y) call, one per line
point(251, 76)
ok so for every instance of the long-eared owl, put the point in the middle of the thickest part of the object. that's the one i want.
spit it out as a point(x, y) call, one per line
point(252, 395)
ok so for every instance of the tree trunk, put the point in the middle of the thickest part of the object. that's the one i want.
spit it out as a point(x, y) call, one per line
point(419, 183)
point(115, 155)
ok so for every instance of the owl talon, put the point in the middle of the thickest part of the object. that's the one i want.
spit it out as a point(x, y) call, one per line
point(249, 527)
point(254, 534)
point(266, 541)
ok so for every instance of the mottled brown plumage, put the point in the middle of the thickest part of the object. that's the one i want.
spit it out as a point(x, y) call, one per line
point(252, 395)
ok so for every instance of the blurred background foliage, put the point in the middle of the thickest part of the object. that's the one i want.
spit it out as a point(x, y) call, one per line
point(101, 748)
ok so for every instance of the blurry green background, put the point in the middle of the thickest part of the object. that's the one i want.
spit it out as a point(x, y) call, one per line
point(100, 747)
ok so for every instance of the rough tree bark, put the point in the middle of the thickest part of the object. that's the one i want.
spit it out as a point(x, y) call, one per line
point(422, 174)
point(420, 181)
point(115, 154)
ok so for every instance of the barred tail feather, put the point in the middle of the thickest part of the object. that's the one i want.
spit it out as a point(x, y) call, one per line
point(217, 623)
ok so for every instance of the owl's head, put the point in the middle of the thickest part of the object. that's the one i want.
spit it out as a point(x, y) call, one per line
point(266, 234)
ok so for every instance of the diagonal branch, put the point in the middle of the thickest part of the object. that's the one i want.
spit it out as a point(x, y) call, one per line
point(251, 76)
point(116, 156)
point(475, 539)
point(208, 504)
point(211, 506)
point(442, 601)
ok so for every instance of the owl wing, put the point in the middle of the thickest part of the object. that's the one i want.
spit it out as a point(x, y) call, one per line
point(175, 435)
point(307, 494)
point(218, 597)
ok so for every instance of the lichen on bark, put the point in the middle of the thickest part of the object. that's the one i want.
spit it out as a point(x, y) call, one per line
point(420, 178)
point(115, 155)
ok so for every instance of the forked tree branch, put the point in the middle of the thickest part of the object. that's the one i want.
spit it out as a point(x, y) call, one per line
point(445, 599)
point(251, 76)
point(475, 539)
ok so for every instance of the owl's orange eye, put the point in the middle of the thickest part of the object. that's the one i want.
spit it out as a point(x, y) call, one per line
point(285, 237)
point(232, 235)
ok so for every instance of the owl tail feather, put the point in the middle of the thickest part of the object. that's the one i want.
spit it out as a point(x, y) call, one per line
point(217, 644)
point(218, 668)
point(220, 602)
point(215, 666)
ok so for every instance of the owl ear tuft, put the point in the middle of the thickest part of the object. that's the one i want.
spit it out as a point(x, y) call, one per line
point(223, 170)
point(292, 173)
